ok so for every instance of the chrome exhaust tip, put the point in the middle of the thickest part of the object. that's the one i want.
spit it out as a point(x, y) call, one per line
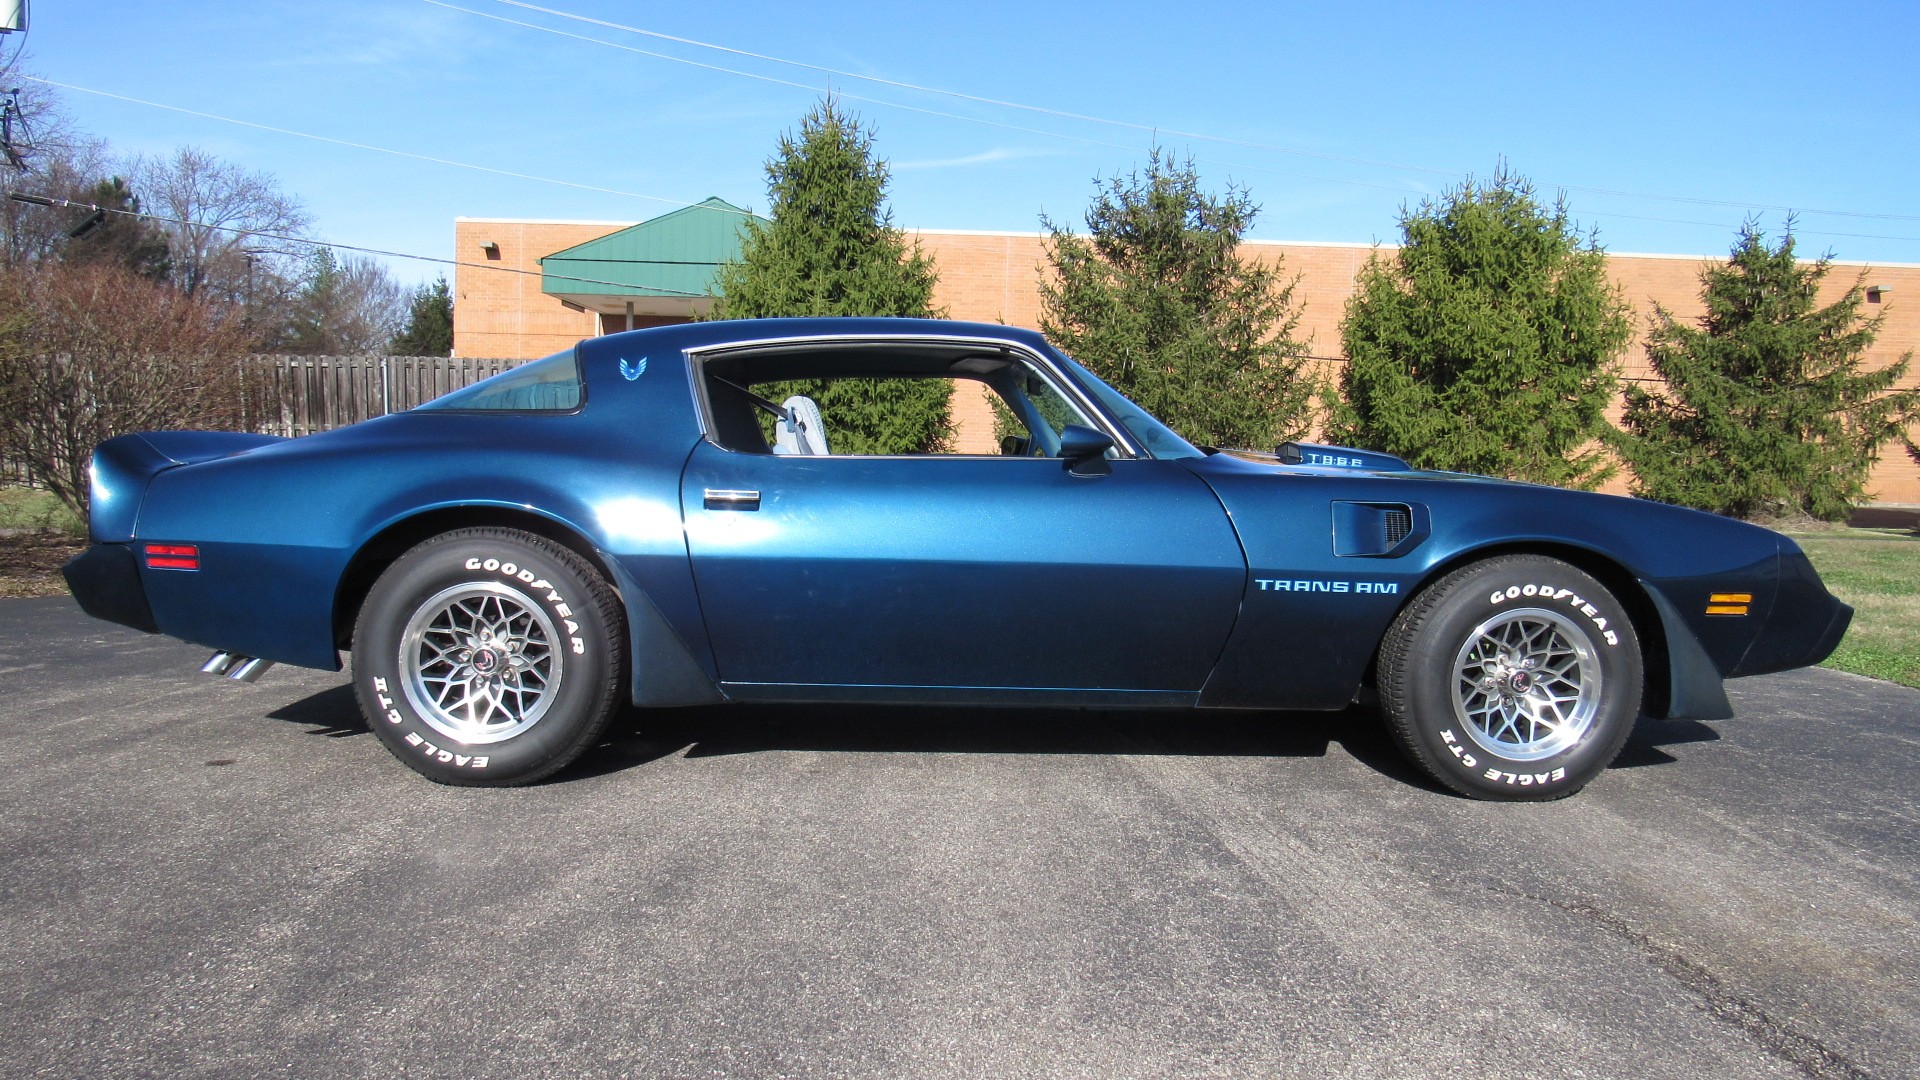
point(249, 669)
point(239, 668)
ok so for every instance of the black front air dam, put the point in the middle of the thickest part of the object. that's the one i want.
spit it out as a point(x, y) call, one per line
point(105, 579)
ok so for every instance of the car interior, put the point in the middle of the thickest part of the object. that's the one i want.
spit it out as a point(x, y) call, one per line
point(1030, 410)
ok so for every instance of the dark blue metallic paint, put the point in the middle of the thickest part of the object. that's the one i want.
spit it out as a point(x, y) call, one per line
point(945, 578)
point(962, 571)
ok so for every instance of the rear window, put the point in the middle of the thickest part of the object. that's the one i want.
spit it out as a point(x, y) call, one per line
point(550, 384)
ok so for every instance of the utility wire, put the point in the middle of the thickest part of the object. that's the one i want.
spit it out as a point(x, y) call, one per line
point(1157, 130)
point(682, 204)
point(74, 204)
point(1062, 114)
point(369, 146)
point(994, 123)
point(813, 89)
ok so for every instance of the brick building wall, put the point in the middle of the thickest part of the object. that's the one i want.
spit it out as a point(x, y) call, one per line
point(500, 311)
point(994, 277)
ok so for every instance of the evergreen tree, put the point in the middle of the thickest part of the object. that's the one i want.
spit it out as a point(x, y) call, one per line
point(429, 329)
point(1765, 410)
point(1157, 301)
point(1487, 343)
point(117, 238)
point(830, 248)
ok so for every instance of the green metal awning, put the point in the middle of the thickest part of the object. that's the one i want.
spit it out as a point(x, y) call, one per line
point(665, 266)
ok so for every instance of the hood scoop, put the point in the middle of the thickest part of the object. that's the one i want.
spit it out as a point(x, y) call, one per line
point(1339, 457)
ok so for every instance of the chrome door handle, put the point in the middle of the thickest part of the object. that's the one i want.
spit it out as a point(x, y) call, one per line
point(732, 499)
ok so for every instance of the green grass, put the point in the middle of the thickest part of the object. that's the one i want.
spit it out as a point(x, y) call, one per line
point(28, 508)
point(1878, 572)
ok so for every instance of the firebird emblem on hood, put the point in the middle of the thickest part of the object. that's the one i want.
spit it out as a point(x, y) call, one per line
point(633, 369)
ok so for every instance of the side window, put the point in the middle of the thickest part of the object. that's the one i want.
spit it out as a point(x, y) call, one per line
point(1030, 412)
point(551, 384)
point(912, 404)
point(867, 415)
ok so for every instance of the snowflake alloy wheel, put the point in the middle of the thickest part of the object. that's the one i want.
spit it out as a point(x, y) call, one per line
point(1526, 684)
point(478, 662)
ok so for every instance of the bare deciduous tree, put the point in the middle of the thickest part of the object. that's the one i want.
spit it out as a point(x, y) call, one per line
point(344, 306)
point(226, 236)
point(88, 352)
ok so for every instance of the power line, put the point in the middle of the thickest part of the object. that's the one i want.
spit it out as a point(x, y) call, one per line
point(376, 149)
point(994, 123)
point(74, 204)
point(812, 89)
point(1720, 225)
point(1156, 129)
point(1042, 110)
point(682, 204)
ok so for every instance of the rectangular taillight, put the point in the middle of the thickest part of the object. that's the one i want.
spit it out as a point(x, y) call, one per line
point(173, 557)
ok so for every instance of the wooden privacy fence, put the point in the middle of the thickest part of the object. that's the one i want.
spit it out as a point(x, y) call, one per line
point(299, 395)
point(316, 393)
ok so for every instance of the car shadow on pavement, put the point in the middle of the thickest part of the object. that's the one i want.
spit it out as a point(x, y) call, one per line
point(333, 713)
point(639, 737)
point(713, 731)
point(1643, 747)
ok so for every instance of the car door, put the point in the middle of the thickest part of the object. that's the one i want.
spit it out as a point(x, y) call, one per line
point(960, 571)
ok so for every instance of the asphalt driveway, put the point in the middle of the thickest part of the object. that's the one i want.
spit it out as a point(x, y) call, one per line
point(199, 877)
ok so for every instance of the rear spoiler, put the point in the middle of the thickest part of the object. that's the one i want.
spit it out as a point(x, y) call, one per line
point(123, 466)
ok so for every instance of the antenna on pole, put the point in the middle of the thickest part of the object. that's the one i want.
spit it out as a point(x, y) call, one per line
point(15, 143)
point(13, 125)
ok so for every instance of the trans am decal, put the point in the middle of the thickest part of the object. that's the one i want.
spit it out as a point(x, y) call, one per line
point(1327, 585)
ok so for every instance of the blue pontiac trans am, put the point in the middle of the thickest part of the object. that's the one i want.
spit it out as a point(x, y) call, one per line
point(653, 518)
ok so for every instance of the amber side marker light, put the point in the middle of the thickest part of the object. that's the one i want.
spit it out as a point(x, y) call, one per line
point(1729, 603)
point(173, 557)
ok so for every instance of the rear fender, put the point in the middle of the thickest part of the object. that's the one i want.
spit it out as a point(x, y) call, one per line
point(665, 671)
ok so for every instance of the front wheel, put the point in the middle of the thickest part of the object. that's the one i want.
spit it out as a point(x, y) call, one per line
point(1514, 678)
point(488, 657)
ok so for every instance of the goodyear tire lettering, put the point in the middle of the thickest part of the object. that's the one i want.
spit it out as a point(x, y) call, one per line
point(1550, 592)
point(561, 607)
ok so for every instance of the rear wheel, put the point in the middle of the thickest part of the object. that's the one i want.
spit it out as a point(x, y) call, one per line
point(1514, 678)
point(488, 657)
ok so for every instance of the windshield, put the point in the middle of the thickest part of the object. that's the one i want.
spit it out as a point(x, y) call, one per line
point(550, 384)
point(1158, 438)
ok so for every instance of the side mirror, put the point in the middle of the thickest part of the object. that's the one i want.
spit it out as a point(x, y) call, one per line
point(1084, 450)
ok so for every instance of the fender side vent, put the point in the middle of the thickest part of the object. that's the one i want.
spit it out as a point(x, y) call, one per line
point(1399, 522)
point(1376, 529)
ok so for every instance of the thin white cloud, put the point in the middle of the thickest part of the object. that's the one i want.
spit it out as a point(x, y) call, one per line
point(377, 38)
point(985, 157)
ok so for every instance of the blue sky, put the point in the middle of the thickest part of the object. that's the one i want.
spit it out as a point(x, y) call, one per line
point(1332, 115)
